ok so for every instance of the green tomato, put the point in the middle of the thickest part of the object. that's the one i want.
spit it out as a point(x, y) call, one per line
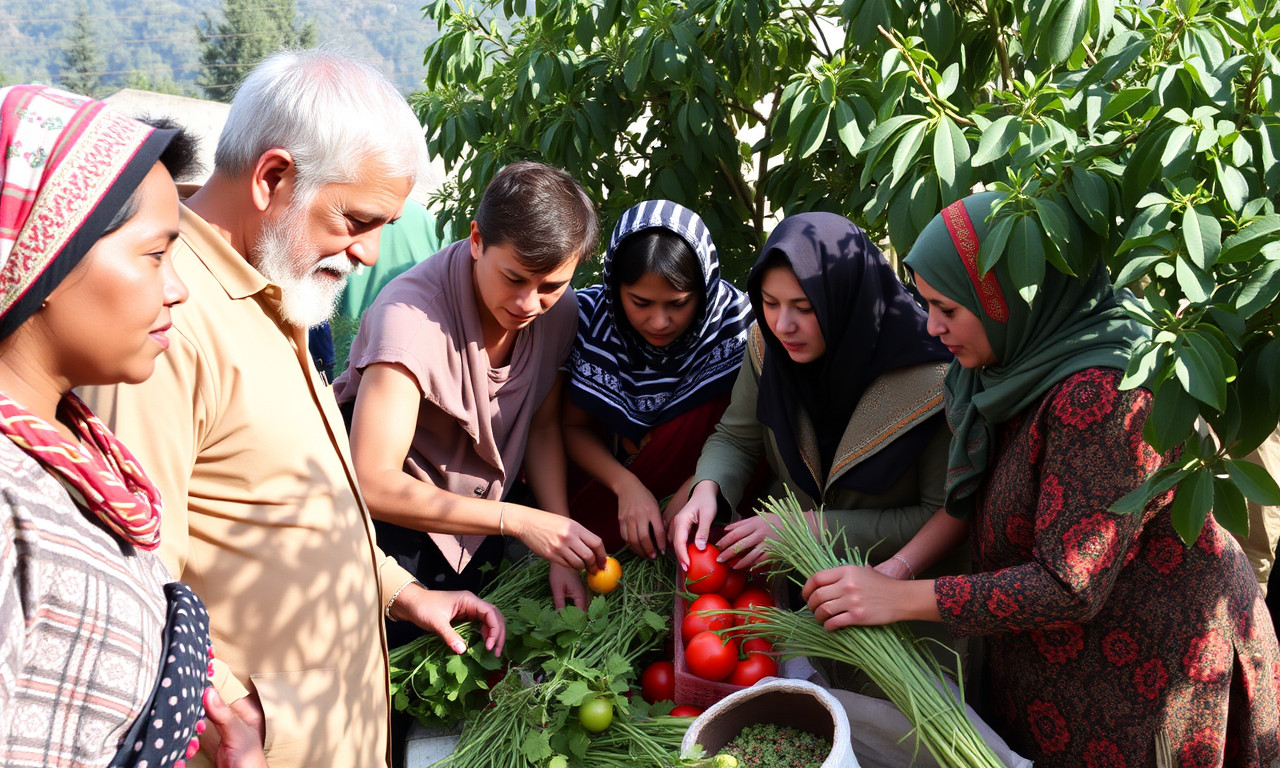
point(596, 714)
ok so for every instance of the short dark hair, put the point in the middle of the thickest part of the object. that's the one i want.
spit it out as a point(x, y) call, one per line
point(660, 251)
point(539, 211)
point(178, 158)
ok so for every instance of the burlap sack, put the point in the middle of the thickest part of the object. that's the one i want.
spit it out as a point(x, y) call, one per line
point(794, 703)
point(883, 737)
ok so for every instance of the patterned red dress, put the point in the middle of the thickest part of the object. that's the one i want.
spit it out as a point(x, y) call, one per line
point(1105, 631)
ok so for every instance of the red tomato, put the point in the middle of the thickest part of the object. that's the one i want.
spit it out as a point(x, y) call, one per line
point(705, 574)
point(658, 682)
point(757, 645)
point(709, 658)
point(684, 710)
point(699, 619)
point(751, 597)
point(733, 585)
point(752, 669)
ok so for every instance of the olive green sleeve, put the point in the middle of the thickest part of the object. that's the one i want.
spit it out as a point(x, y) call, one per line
point(732, 451)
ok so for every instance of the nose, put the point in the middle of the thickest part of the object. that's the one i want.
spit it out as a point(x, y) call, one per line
point(786, 321)
point(527, 301)
point(661, 321)
point(934, 325)
point(175, 291)
point(364, 248)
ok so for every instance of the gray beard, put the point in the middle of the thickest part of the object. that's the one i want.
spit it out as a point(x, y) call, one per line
point(283, 254)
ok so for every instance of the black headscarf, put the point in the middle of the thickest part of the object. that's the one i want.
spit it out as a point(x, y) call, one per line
point(871, 325)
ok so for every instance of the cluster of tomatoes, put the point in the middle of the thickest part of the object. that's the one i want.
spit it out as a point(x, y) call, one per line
point(712, 651)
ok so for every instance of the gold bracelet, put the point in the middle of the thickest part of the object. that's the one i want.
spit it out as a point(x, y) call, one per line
point(910, 571)
point(502, 523)
point(386, 611)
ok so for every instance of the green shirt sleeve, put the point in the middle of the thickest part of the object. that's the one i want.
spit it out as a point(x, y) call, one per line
point(731, 452)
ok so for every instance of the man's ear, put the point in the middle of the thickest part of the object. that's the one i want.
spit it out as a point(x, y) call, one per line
point(273, 178)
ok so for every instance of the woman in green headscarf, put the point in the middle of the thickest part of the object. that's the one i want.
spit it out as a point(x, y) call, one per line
point(1109, 642)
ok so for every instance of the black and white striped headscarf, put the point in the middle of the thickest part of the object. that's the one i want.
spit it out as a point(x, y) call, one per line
point(632, 386)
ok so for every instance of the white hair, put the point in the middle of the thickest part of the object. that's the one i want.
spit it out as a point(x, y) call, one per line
point(330, 111)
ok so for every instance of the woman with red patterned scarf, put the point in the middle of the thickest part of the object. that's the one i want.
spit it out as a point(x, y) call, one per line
point(103, 662)
point(1109, 642)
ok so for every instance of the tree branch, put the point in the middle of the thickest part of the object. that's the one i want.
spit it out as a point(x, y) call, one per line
point(937, 101)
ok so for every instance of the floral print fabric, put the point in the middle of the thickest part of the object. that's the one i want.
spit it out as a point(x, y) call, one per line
point(1106, 634)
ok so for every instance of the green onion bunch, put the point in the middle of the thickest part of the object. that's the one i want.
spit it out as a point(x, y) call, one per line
point(891, 656)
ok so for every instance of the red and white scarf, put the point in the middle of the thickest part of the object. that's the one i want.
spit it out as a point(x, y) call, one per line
point(99, 472)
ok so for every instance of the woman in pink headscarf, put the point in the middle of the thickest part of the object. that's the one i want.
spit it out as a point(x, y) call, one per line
point(103, 662)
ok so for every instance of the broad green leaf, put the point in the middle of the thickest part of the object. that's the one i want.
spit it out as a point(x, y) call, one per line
point(879, 141)
point(1068, 29)
point(1254, 482)
point(908, 148)
point(1138, 264)
point(1246, 243)
point(992, 247)
point(1198, 369)
point(1124, 99)
point(1026, 258)
point(1090, 200)
point(1229, 508)
point(1234, 186)
point(847, 127)
point(1172, 413)
point(944, 159)
point(996, 140)
point(1259, 290)
point(1179, 143)
point(827, 88)
point(1193, 281)
point(816, 133)
point(1142, 366)
point(1191, 504)
point(950, 79)
point(1210, 232)
point(1136, 500)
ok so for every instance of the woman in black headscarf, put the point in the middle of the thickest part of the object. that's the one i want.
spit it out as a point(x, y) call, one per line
point(841, 393)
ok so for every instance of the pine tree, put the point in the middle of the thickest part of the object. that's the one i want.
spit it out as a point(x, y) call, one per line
point(82, 60)
point(251, 31)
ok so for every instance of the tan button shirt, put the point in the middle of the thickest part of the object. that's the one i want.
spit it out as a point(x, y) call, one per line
point(262, 515)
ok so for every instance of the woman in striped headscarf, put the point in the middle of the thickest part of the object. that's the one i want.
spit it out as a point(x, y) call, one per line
point(659, 346)
point(91, 632)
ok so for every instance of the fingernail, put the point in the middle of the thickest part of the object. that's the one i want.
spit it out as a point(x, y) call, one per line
point(700, 543)
point(458, 646)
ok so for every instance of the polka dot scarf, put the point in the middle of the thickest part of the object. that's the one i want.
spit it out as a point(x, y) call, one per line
point(166, 735)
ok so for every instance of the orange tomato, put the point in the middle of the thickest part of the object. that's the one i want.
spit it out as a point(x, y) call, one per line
point(605, 580)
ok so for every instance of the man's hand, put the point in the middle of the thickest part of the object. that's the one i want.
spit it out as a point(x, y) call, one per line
point(435, 611)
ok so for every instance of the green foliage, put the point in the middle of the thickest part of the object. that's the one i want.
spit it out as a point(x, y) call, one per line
point(251, 31)
point(1143, 134)
point(554, 662)
point(82, 62)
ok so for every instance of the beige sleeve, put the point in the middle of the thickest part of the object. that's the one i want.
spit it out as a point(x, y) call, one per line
point(162, 421)
point(391, 575)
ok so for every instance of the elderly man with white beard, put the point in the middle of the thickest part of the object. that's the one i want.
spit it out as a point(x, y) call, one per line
point(262, 514)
